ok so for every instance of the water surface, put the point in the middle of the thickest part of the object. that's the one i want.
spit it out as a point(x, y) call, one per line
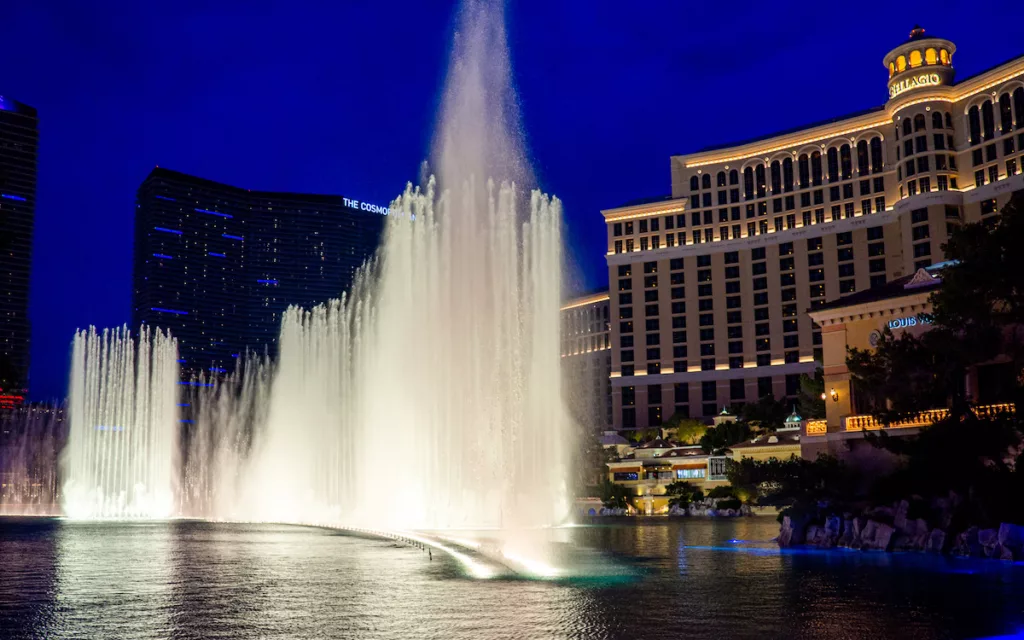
point(694, 578)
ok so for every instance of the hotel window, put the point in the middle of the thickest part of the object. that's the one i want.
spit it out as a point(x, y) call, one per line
point(707, 304)
point(627, 370)
point(643, 244)
point(761, 298)
point(804, 171)
point(865, 187)
point(707, 320)
point(720, 179)
point(926, 184)
point(709, 391)
point(654, 225)
point(939, 141)
point(876, 249)
point(936, 120)
point(988, 122)
point(814, 244)
point(918, 215)
point(678, 293)
point(750, 229)
point(652, 324)
point(848, 207)
point(816, 275)
point(643, 226)
point(655, 242)
point(846, 270)
point(833, 193)
point(706, 181)
point(737, 390)
point(626, 327)
point(650, 282)
point(709, 235)
point(694, 183)
point(847, 190)
point(617, 229)
point(910, 168)
point(675, 264)
point(764, 359)
point(625, 298)
point(833, 165)
point(629, 228)
point(735, 231)
point(669, 220)
point(875, 281)
point(908, 148)
point(680, 220)
point(919, 122)
point(1008, 147)
point(790, 203)
point(734, 195)
point(865, 206)
point(993, 173)
point(837, 212)
point(876, 265)
point(762, 344)
point(907, 124)
point(817, 290)
point(654, 354)
point(723, 215)
point(778, 223)
point(1011, 167)
point(791, 342)
point(789, 295)
point(748, 183)
point(651, 296)
point(940, 163)
point(816, 174)
point(651, 310)
point(759, 178)
point(974, 125)
point(819, 196)
point(734, 317)
point(629, 245)
point(670, 240)
point(653, 368)
point(679, 322)
point(876, 155)
point(979, 178)
point(653, 413)
point(847, 286)
point(844, 254)
point(879, 185)
point(912, 187)
point(875, 233)
point(991, 153)
point(805, 199)
point(922, 164)
point(791, 221)
point(977, 157)
point(762, 209)
point(618, 246)
point(695, 202)
point(625, 285)
point(815, 259)
point(734, 177)
point(763, 227)
point(787, 174)
point(862, 158)
point(988, 206)
point(923, 249)
point(846, 161)
point(627, 355)
point(819, 216)
point(776, 170)
point(806, 216)
point(706, 199)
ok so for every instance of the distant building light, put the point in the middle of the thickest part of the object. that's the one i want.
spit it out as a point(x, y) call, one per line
point(214, 213)
point(174, 311)
point(12, 197)
point(163, 255)
point(234, 355)
point(216, 255)
point(182, 361)
point(165, 198)
point(218, 370)
point(166, 230)
point(267, 281)
point(231, 237)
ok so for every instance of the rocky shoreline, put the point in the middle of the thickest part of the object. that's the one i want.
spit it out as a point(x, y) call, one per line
point(891, 529)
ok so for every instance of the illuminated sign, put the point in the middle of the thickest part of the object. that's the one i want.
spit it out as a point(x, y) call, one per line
point(923, 80)
point(903, 323)
point(374, 208)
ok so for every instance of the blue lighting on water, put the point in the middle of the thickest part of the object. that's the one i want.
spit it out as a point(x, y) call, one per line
point(215, 255)
point(165, 198)
point(218, 370)
point(106, 428)
point(231, 237)
point(166, 230)
point(187, 421)
point(267, 281)
point(182, 361)
point(215, 213)
point(192, 383)
point(174, 311)
point(234, 355)
point(12, 197)
point(184, 404)
point(163, 255)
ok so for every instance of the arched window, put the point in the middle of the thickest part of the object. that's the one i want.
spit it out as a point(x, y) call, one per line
point(936, 120)
point(694, 183)
point(748, 183)
point(974, 125)
point(1005, 114)
point(915, 58)
point(930, 56)
point(776, 177)
point(949, 121)
point(734, 177)
point(907, 130)
point(833, 164)
point(787, 174)
point(876, 155)
point(901, 63)
point(862, 158)
point(988, 120)
point(896, 128)
point(1018, 106)
point(944, 56)
point(804, 167)
point(816, 168)
point(919, 122)
point(721, 178)
point(706, 181)
point(846, 160)
point(892, 69)
point(759, 176)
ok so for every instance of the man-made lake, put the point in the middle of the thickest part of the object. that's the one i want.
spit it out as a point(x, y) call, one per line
point(691, 578)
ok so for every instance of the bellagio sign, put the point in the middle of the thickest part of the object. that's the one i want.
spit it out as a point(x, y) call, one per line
point(923, 80)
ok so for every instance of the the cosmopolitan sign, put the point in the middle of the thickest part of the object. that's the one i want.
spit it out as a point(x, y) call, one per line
point(374, 208)
point(911, 321)
point(923, 80)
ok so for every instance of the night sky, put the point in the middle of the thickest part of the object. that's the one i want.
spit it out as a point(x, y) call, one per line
point(340, 97)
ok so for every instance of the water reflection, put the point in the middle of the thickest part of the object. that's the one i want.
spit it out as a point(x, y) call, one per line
point(696, 578)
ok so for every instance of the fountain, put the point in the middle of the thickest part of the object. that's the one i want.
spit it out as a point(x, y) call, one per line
point(427, 398)
point(120, 459)
point(30, 438)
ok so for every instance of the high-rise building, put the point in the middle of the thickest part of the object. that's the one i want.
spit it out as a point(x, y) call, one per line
point(587, 360)
point(19, 141)
point(711, 286)
point(217, 265)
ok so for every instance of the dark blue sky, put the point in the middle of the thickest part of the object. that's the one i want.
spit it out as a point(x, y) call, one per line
point(340, 97)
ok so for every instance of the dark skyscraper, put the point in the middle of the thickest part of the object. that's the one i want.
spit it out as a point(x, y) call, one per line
point(19, 141)
point(217, 265)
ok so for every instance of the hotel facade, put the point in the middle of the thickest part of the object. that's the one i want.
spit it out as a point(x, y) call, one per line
point(711, 287)
point(587, 360)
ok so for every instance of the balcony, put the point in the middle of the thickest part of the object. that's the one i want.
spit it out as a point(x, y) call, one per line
point(817, 427)
point(923, 419)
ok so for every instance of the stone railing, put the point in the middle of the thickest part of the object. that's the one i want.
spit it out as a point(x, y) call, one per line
point(817, 427)
point(923, 419)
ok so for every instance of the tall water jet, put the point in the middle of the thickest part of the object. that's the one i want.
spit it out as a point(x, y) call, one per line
point(122, 450)
point(30, 438)
point(430, 396)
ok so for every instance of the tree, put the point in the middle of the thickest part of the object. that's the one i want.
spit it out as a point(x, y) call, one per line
point(795, 482)
point(767, 413)
point(717, 439)
point(682, 494)
point(614, 496)
point(591, 465)
point(809, 399)
point(686, 430)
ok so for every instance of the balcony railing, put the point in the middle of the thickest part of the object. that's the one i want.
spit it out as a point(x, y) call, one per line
point(923, 419)
point(817, 427)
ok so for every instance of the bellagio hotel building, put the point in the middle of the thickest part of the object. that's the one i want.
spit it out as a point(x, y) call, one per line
point(710, 287)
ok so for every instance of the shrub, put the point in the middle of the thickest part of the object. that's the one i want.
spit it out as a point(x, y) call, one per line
point(731, 503)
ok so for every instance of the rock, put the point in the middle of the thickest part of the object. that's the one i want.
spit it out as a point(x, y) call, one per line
point(899, 519)
point(1011, 536)
point(883, 537)
point(989, 541)
point(967, 544)
point(792, 531)
point(1004, 553)
point(847, 537)
point(936, 541)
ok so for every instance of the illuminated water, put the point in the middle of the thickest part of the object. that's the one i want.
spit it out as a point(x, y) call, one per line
point(122, 450)
point(31, 438)
point(195, 580)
